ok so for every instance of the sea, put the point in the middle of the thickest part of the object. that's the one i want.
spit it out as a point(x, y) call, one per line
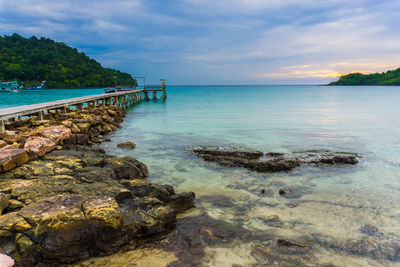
point(350, 215)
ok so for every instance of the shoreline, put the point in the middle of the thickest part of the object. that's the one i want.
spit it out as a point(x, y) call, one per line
point(65, 201)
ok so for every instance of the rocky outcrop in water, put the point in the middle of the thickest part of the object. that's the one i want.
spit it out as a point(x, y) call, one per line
point(271, 162)
point(76, 203)
point(130, 145)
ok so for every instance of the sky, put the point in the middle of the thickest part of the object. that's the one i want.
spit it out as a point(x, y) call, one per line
point(220, 41)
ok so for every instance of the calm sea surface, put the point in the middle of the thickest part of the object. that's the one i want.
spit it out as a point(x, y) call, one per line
point(343, 203)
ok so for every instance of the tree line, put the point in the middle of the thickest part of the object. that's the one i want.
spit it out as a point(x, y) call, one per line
point(32, 60)
point(391, 77)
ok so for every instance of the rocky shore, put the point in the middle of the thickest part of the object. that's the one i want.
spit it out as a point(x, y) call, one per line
point(63, 201)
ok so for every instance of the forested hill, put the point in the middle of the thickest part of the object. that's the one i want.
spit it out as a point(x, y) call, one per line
point(391, 77)
point(32, 60)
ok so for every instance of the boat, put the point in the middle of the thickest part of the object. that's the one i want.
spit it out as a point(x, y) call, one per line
point(110, 90)
point(10, 87)
point(41, 86)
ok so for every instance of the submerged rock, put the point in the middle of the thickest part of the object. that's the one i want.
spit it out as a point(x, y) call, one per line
point(293, 191)
point(292, 247)
point(130, 145)
point(271, 162)
point(370, 230)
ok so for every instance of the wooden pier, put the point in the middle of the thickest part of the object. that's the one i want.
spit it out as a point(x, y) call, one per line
point(124, 99)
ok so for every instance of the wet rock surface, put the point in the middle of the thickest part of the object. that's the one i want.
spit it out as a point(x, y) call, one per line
point(129, 145)
point(80, 202)
point(294, 191)
point(271, 162)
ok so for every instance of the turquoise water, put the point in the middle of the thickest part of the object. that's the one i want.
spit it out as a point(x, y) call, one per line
point(341, 201)
point(27, 97)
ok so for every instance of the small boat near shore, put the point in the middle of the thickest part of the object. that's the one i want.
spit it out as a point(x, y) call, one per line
point(37, 87)
point(10, 87)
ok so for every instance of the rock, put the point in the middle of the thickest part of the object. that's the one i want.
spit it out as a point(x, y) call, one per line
point(228, 152)
point(142, 188)
point(75, 129)
point(292, 247)
point(272, 218)
point(6, 261)
point(77, 139)
point(111, 112)
point(2, 143)
point(14, 204)
point(84, 127)
point(4, 202)
point(76, 203)
point(67, 123)
point(271, 162)
point(11, 158)
point(37, 146)
point(55, 133)
point(182, 202)
point(293, 191)
point(370, 230)
point(68, 227)
point(127, 168)
point(11, 138)
point(130, 145)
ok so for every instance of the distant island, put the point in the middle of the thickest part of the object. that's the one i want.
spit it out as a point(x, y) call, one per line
point(32, 60)
point(391, 77)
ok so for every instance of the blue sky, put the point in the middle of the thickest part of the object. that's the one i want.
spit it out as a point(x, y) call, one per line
point(220, 41)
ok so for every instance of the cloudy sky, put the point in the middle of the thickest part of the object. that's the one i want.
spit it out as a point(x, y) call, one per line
point(220, 41)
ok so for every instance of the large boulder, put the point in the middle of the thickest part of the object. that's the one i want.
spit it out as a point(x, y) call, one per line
point(127, 168)
point(55, 133)
point(11, 158)
point(37, 146)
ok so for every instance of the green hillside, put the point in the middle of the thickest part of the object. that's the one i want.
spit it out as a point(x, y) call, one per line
point(31, 60)
point(391, 77)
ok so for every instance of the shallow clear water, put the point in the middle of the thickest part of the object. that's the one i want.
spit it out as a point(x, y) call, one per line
point(363, 120)
point(341, 201)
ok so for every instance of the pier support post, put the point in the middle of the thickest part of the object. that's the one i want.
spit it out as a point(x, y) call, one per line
point(164, 95)
point(154, 95)
point(146, 95)
point(2, 126)
point(40, 115)
point(103, 102)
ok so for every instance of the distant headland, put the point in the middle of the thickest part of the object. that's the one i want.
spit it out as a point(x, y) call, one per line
point(391, 77)
point(32, 60)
